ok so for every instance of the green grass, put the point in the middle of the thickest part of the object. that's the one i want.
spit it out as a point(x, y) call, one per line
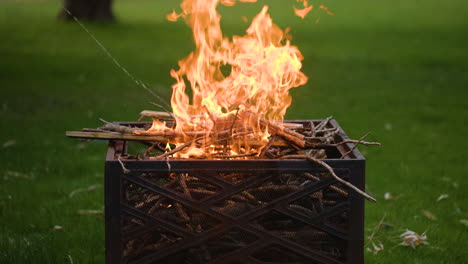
point(396, 68)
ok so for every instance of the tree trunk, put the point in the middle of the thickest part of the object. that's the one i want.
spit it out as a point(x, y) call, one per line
point(91, 10)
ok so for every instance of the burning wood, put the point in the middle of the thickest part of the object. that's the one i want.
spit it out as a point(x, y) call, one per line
point(311, 148)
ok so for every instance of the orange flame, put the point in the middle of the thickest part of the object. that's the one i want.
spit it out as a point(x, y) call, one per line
point(302, 13)
point(231, 77)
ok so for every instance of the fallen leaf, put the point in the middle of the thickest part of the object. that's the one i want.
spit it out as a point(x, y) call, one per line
point(90, 188)
point(80, 146)
point(442, 197)
point(464, 222)
point(70, 259)
point(388, 196)
point(388, 126)
point(429, 215)
point(413, 239)
point(9, 143)
point(377, 248)
point(15, 174)
point(90, 212)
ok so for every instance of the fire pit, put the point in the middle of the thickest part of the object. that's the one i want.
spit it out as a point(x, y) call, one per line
point(222, 178)
point(234, 211)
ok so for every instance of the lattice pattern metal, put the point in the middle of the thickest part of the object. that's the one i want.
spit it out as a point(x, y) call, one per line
point(243, 211)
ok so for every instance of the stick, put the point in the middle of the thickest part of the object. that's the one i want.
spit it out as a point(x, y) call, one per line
point(355, 145)
point(332, 187)
point(156, 114)
point(169, 115)
point(150, 149)
point(377, 228)
point(125, 170)
point(280, 130)
point(177, 149)
point(223, 156)
point(332, 173)
point(231, 130)
point(267, 147)
point(114, 136)
point(172, 133)
point(163, 108)
point(323, 124)
point(183, 185)
point(366, 143)
point(131, 137)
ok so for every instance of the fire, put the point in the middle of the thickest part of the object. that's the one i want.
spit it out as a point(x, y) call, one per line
point(302, 13)
point(234, 83)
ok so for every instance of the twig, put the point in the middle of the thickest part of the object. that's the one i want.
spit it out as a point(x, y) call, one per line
point(355, 145)
point(297, 207)
point(231, 130)
point(181, 212)
point(324, 123)
point(175, 150)
point(332, 173)
point(118, 136)
point(125, 170)
point(163, 108)
point(332, 187)
point(168, 164)
point(289, 135)
point(267, 147)
point(357, 141)
point(104, 121)
point(183, 184)
point(150, 149)
point(377, 228)
point(114, 136)
point(235, 156)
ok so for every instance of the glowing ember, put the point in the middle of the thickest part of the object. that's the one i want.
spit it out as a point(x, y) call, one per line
point(236, 83)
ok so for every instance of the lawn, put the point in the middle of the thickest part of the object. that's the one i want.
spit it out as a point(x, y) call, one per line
point(396, 68)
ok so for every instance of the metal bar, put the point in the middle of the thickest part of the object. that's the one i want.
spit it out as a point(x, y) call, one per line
point(112, 212)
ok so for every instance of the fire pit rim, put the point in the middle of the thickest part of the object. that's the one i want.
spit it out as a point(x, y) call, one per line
point(354, 155)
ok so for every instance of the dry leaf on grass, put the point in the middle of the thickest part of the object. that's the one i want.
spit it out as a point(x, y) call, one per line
point(90, 188)
point(388, 196)
point(9, 143)
point(443, 197)
point(377, 248)
point(429, 215)
point(90, 212)
point(15, 174)
point(413, 239)
point(464, 222)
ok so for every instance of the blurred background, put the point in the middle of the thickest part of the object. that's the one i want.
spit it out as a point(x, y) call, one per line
point(398, 69)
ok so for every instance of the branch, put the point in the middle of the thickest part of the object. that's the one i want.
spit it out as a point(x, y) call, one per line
point(332, 173)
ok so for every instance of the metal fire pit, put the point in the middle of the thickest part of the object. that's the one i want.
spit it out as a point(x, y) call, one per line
point(293, 225)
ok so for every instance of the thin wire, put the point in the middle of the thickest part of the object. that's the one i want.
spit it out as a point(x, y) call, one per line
point(116, 62)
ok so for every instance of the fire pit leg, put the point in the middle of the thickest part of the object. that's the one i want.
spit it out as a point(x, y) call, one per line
point(112, 212)
point(355, 252)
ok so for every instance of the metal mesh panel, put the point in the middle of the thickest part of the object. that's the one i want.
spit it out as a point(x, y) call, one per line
point(250, 211)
